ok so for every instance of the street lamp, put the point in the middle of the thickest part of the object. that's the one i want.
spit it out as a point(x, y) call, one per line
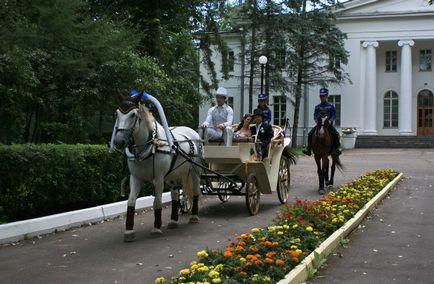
point(262, 60)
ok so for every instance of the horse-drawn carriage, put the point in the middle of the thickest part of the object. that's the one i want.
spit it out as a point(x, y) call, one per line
point(234, 170)
point(175, 155)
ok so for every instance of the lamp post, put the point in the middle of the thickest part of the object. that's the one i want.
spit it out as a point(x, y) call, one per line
point(262, 60)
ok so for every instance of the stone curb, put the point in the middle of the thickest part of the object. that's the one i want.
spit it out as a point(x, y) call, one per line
point(300, 273)
point(20, 230)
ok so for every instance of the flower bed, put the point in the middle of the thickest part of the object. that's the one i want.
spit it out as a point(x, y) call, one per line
point(266, 255)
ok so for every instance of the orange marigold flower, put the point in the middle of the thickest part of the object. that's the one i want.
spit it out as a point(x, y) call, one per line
point(238, 248)
point(270, 254)
point(238, 269)
point(242, 273)
point(247, 264)
point(268, 243)
point(231, 244)
point(258, 255)
point(251, 257)
point(259, 263)
point(227, 253)
point(253, 248)
point(279, 262)
point(245, 236)
point(268, 260)
point(275, 244)
point(295, 254)
point(261, 239)
point(295, 259)
point(241, 243)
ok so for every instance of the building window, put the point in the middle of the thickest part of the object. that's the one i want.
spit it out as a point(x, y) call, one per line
point(279, 110)
point(231, 61)
point(280, 58)
point(391, 61)
point(334, 62)
point(336, 101)
point(390, 110)
point(230, 102)
point(425, 60)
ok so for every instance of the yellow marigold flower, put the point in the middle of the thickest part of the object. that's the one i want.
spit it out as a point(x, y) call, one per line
point(185, 271)
point(279, 227)
point(267, 279)
point(203, 269)
point(293, 247)
point(194, 266)
point(202, 253)
point(280, 233)
point(216, 280)
point(160, 280)
point(255, 230)
point(286, 227)
point(213, 274)
point(295, 226)
point(219, 267)
point(309, 229)
point(299, 251)
point(193, 262)
point(242, 259)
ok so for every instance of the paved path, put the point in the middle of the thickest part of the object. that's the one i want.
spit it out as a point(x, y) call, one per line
point(96, 254)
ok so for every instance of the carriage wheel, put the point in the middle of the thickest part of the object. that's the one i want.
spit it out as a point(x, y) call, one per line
point(185, 204)
point(223, 191)
point(252, 195)
point(283, 180)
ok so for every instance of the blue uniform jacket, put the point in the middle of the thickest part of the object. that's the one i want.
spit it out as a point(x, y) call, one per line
point(325, 108)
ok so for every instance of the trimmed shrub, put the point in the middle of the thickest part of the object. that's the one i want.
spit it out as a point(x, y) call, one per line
point(44, 179)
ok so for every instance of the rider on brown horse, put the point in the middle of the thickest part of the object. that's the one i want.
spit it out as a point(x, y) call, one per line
point(328, 109)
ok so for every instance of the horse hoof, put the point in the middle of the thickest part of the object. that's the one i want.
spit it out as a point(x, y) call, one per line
point(172, 225)
point(155, 232)
point(129, 236)
point(321, 191)
point(194, 219)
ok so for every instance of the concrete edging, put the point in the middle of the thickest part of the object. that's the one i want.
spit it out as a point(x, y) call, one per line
point(300, 273)
point(20, 230)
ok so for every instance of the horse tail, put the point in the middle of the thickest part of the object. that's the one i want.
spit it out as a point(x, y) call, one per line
point(291, 154)
point(339, 164)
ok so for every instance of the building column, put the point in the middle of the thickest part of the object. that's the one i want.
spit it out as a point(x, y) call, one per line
point(404, 99)
point(370, 109)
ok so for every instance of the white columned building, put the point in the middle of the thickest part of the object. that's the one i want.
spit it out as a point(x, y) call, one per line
point(405, 101)
point(370, 116)
point(390, 65)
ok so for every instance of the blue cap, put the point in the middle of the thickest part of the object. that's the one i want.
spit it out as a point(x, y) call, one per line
point(323, 92)
point(262, 97)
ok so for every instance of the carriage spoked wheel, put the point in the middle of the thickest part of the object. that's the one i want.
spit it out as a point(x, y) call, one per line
point(223, 191)
point(252, 194)
point(284, 180)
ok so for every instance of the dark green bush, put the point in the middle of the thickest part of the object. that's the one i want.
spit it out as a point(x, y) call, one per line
point(39, 180)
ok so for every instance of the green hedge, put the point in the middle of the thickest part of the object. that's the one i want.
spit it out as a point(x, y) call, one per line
point(39, 180)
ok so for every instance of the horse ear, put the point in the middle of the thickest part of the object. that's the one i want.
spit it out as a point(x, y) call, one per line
point(136, 99)
point(120, 96)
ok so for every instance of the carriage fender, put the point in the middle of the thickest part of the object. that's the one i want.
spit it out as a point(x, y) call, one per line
point(260, 172)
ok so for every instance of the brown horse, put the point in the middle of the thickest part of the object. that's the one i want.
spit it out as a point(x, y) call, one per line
point(322, 146)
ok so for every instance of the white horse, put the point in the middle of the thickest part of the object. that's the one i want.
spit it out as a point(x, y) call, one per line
point(151, 159)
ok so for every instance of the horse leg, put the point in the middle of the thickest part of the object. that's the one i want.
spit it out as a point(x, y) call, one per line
point(191, 185)
point(159, 187)
point(320, 175)
point(174, 194)
point(129, 234)
point(326, 170)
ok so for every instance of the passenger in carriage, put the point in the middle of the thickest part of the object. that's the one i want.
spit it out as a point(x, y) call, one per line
point(262, 105)
point(328, 109)
point(243, 129)
point(219, 119)
point(263, 131)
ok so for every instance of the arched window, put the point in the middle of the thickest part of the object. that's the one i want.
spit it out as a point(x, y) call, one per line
point(390, 110)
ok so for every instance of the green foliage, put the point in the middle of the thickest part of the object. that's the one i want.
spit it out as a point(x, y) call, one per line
point(38, 180)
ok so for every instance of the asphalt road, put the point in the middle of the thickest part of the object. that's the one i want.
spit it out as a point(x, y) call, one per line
point(97, 253)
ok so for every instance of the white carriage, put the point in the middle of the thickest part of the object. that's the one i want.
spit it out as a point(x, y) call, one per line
point(233, 170)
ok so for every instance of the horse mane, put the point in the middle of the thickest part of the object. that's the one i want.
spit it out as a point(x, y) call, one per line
point(147, 116)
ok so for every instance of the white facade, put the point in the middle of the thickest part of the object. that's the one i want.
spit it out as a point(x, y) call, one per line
point(382, 98)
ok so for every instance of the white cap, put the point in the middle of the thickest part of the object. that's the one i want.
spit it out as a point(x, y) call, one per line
point(221, 92)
